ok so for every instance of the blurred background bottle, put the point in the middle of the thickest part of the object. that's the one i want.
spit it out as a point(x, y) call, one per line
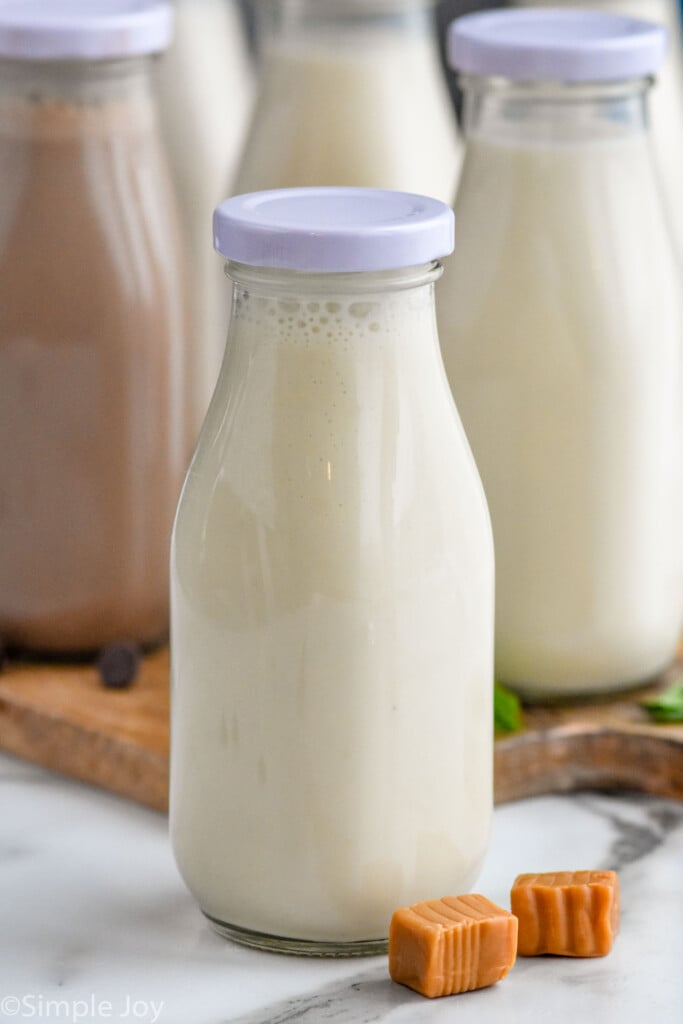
point(561, 328)
point(666, 104)
point(206, 87)
point(352, 92)
point(93, 359)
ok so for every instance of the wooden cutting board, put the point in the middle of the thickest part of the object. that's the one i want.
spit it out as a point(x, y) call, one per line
point(62, 717)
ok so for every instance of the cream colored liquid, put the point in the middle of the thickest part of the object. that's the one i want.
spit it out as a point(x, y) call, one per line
point(205, 95)
point(367, 109)
point(560, 331)
point(332, 626)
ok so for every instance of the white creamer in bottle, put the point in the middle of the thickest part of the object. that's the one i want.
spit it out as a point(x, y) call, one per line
point(206, 88)
point(561, 332)
point(332, 581)
point(351, 93)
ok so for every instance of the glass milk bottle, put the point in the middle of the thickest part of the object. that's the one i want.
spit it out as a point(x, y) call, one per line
point(666, 101)
point(205, 95)
point(93, 413)
point(332, 587)
point(351, 93)
point(561, 333)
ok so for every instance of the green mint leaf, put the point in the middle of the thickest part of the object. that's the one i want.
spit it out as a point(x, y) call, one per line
point(507, 710)
point(666, 706)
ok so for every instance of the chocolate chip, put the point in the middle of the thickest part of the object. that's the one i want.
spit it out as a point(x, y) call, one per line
point(118, 664)
point(3, 655)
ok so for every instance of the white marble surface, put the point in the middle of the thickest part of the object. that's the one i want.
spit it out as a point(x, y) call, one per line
point(95, 923)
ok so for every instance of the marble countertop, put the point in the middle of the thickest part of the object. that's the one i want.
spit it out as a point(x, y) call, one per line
point(95, 923)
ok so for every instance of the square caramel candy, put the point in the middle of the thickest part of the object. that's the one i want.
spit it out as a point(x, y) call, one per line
point(569, 913)
point(455, 944)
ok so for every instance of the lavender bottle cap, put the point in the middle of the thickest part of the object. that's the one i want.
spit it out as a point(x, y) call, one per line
point(566, 45)
point(333, 230)
point(83, 29)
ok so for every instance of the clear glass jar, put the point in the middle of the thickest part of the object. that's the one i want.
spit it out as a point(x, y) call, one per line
point(92, 344)
point(561, 332)
point(351, 93)
point(332, 608)
point(666, 99)
point(206, 89)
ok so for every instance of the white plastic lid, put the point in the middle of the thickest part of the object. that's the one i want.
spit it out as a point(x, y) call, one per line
point(334, 230)
point(83, 29)
point(555, 44)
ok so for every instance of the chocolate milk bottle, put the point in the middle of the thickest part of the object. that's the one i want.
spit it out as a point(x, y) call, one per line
point(93, 414)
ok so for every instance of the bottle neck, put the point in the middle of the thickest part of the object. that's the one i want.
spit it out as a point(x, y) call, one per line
point(332, 309)
point(293, 284)
point(500, 110)
point(69, 97)
point(77, 81)
point(294, 21)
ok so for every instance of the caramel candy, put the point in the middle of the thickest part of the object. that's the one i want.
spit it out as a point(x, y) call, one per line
point(569, 913)
point(455, 944)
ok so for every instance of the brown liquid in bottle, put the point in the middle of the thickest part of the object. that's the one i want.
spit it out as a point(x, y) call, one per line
point(93, 415)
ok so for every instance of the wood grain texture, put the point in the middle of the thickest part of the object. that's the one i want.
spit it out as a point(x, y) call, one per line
point(607, 744)
point(61, 716)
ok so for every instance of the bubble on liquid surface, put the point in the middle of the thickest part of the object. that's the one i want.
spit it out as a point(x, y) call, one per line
point(360, 309)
